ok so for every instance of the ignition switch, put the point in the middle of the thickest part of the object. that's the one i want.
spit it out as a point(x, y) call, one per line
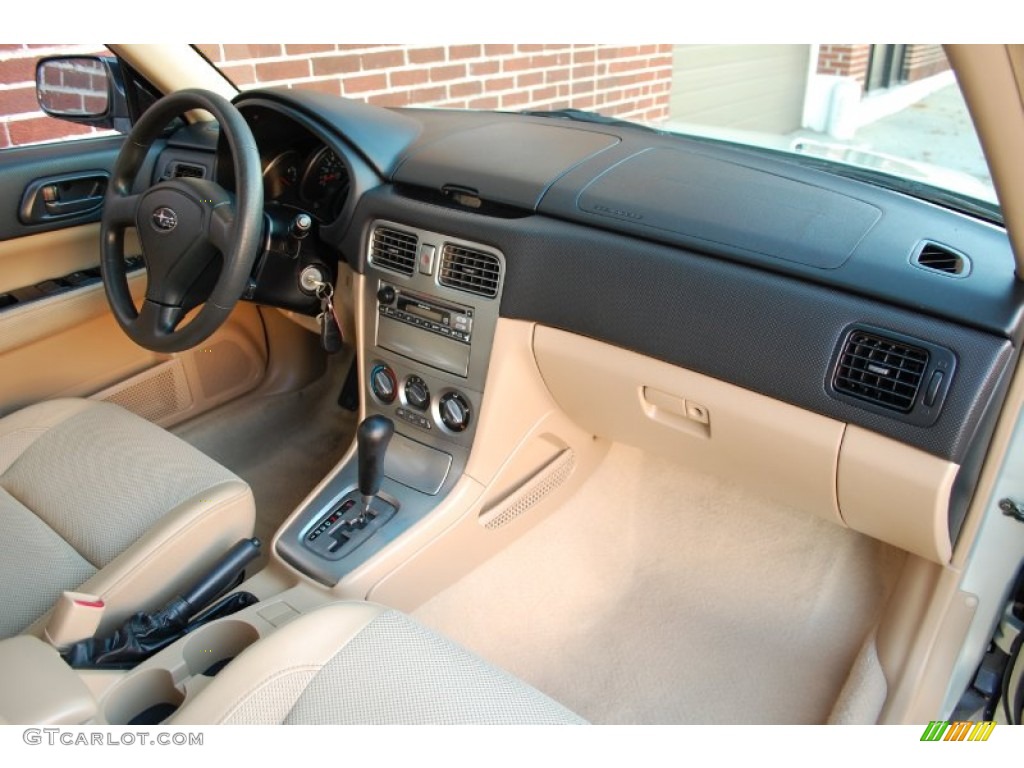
point(310, 278)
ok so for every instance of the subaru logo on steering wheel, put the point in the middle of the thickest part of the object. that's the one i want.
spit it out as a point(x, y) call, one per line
point(164, 219)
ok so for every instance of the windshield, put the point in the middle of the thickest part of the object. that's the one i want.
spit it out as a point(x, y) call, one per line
point(893, 111)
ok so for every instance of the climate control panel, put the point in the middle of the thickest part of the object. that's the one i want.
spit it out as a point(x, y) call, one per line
point(417, 399)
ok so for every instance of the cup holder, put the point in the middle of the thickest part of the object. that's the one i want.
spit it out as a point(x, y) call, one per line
point(209, 648)
point(149, 696)
point(146, 698)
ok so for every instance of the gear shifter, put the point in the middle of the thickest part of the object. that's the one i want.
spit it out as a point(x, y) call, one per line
point(372, 439)
point(349, 522)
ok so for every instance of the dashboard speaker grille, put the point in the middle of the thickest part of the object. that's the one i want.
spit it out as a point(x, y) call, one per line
point(465, 269)
point(880, 370)
point(393, 249)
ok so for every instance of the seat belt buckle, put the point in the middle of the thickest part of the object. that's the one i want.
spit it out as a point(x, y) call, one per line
point(76, 616)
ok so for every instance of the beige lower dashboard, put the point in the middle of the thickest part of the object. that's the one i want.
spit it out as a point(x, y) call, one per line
point(840, 472)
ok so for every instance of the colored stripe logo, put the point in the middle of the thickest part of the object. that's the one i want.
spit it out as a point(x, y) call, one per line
point(942, 730)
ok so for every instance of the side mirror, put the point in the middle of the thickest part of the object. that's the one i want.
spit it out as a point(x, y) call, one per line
point(82, 89)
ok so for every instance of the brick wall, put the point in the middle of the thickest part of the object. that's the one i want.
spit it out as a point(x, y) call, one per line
point(21, 120)
point(845, 60)
point(920, 61)
point(923, 61)
point(632, 82)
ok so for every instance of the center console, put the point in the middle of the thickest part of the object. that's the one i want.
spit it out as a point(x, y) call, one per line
point(427, 315)
point(428, 310)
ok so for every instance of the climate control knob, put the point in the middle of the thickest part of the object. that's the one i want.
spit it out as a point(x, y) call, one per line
point(416, 393)
point(455, 411)
point(383, 383)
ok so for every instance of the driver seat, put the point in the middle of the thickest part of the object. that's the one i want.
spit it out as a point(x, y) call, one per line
point(98, 500)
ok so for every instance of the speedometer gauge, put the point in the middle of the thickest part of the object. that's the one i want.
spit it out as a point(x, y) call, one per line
point(325, 178)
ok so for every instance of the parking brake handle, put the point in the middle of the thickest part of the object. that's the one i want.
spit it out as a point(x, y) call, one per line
point(144, 634)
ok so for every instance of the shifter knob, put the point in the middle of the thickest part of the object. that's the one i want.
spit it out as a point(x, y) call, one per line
point(372, 438)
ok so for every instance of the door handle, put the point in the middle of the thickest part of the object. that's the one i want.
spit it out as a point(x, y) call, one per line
point(67, 196)
point(57, 208)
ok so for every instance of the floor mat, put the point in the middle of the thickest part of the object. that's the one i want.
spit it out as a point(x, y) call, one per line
point(662, 595)
point(282, 445)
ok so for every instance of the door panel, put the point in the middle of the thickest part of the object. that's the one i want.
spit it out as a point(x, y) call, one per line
point(57, 334)
point(67, 342)
point(65, 345)
point(31, 259)
point(22, 169)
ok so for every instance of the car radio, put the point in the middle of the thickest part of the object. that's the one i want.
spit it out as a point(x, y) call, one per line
point(403, 313)
point(425, 312)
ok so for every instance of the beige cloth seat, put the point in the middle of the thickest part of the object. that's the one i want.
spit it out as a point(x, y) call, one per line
point(98, 500)
point(356, 663)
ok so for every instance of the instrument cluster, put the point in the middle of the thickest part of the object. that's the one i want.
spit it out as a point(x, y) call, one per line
point(315, 180)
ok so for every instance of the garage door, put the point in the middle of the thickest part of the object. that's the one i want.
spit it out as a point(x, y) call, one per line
point(751, 87)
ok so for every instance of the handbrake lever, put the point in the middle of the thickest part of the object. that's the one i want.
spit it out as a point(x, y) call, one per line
point(144, 634)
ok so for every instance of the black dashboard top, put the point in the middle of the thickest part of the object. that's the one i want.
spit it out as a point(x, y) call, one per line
point(723, 201)
point(748, 266)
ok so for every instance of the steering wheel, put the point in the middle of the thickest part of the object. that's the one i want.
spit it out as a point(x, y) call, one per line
point(199, 240)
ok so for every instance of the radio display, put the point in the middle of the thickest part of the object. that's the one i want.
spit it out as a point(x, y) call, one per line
point(427, 313)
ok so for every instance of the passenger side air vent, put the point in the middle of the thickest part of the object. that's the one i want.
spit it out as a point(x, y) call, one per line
point(393, 249)
point(465, 269)
point(898, 376)
point(939, 258)
point(188, 171)
point(880, 370)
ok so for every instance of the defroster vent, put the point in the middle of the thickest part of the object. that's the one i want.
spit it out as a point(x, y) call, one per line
point(941, 258)
point(466, 269)
point(880, 370)
point(394, 249)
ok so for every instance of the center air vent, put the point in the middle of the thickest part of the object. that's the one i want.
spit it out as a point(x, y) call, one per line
point(393, 249)
point(469, 270)
point(188, 171)
point(940, 258)
point(880, 370)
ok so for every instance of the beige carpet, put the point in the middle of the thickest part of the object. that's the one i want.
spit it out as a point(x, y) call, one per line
point(282, 445)
point(660, 595)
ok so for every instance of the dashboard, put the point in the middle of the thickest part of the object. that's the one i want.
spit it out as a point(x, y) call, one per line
point(808, 289)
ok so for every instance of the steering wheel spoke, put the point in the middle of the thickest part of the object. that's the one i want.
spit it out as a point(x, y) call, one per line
point(180, 222)
point(159, 318)
point(220, 227)
point(119, 210)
